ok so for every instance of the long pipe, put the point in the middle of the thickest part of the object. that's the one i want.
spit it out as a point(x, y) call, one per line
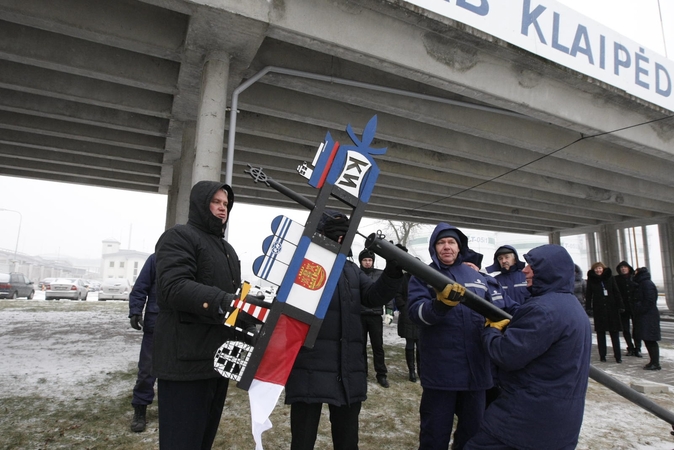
point(438, 280)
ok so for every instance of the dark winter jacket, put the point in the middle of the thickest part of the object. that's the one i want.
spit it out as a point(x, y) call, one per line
point(452, 357)
point(605, 309)
point(406, 328)
point(333, 371)
point(513, 280)
point(143, 296)
point(645, 307)
point(377, 310)
point(579, 285)
point(544, 360)
point(197, 272)
point(625, 285)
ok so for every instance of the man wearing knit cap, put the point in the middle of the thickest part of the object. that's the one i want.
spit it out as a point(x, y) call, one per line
point(372, 322)
point(507, 269)
point(455, 368)
point(333, 371)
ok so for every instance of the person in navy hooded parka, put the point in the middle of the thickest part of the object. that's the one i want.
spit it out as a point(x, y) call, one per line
point(544, 361)
point(455, 369)
point(507, 269)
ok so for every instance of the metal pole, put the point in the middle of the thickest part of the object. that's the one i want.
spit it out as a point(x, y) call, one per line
point(438, 280)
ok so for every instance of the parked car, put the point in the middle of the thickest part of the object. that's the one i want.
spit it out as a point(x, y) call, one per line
point(94, 286)
point(72, 288)
point(15, 285)
point(115, 289)
point(44, 284)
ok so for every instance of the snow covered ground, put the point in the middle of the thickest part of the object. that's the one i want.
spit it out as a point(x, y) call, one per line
point(58, 349)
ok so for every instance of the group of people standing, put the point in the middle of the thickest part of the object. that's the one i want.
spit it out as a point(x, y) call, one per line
point(539, 359)
point(624, 302)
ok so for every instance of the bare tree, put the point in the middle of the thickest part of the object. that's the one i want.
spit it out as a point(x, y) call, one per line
point(401, 231)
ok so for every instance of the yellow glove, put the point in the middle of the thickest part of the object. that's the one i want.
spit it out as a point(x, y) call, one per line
point(451, 295)
point(500, 325)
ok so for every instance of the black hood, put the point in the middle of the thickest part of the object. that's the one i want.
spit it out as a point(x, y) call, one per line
point(200, 215)
point(626, 264)
point(642, 274)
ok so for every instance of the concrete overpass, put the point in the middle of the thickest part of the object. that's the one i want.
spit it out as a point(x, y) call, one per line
point(132, 95)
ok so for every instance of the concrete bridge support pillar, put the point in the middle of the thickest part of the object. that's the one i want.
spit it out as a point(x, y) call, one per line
point(181, 184)
point(610, 249)
point(666, 231)
point(592, 248)
point(647, 254)
point(210, 128)
point(555, 238)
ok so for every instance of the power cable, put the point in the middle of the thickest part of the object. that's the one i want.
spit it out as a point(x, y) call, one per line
point(582, 138)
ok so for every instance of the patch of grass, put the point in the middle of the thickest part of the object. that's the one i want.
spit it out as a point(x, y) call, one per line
point(388, 420)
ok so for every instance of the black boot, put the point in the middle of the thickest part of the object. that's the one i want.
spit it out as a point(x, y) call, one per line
point(409, 357)
point(138, 422)
point(383, 382)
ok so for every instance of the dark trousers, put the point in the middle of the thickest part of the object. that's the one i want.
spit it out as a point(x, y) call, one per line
point(437, 410)
point(304, 420)
point(627, 319)
point(615, 341)
point(189, 412)
point(374, 326)
point(143, 391)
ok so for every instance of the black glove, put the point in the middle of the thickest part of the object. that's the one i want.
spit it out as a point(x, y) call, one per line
point(250, 335)
point(136, 321)
point(226, 303)
point(257, 300)
point(393, 269)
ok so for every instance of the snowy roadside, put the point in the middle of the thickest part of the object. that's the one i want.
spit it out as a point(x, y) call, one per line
point(62, 350)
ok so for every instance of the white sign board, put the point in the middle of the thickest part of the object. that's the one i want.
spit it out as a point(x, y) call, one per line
point(560, 34)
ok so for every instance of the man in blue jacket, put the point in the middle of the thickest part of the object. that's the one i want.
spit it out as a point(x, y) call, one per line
point(544, 361)
point(507, 269)
point(144, 296)
point(455, 368)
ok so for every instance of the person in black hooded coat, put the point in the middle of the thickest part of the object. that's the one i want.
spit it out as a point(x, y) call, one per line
point(333, 370)
point(623, 278)
point(198, 273)
point(647, 316)
point(604, 303)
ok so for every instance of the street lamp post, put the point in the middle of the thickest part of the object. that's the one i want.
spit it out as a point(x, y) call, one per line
point(18, 233)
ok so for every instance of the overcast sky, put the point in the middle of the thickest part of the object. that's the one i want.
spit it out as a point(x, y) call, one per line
point(73, 220)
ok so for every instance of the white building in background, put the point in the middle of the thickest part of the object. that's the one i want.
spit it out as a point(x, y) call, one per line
point(116, 263)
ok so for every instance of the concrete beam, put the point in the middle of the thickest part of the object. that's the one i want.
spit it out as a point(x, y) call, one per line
point(524, 185)
point(52, 127)
point(534, 135)
point(85, 90)
point(65, 54)
point(54, 108)
point(71, 160)
point(76, 179)
point(464, 150)
point(80, 172)
point(77, 147)
point(127, 24)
